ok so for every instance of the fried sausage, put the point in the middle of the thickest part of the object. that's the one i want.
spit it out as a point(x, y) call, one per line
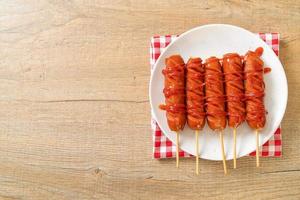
point(234, 89)
point(195, 93)
point(214, 92)
point(174, 92)
point(254, 89)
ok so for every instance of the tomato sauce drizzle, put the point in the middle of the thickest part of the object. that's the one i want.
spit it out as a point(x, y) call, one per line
point(195, 93)
point(252, 75)
point(173, 108)
point(254, 89)
point(174, 75)
point(234, 89)
point(215, 98)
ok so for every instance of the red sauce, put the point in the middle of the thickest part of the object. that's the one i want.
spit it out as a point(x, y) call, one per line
point(267, 70)
point(254, 89)
point(215, 99)
point(172, 73)
point(173, 108)
point(195, 92)
point(213, 77)
point(173, 91)
point(259, 51)
point(234, 87)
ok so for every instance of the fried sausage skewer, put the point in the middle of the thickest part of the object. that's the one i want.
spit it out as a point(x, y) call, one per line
point(234, 87)
point(215, 100)
point(254, 93)
point(174, 92)
point(195, 99)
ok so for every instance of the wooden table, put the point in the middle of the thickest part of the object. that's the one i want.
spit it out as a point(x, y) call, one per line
point(75, 114)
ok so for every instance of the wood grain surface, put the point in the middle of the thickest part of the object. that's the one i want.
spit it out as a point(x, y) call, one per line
point(74, 108)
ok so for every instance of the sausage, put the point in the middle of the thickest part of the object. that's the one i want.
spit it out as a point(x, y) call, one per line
point(254, 89)
point(214, 92)
point(174, 92)
point(195, 93)
point(234, 89)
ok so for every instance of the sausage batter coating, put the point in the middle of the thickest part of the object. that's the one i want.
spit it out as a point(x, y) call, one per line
point(254, 89)
point(195, 93)
point(174, 92)
point(234, 89)
point(214, 91)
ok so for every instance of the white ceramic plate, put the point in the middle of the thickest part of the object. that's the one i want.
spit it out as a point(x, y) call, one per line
point(216, 40)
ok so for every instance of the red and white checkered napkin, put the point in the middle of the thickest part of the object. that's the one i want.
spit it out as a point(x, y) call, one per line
point(163, 147)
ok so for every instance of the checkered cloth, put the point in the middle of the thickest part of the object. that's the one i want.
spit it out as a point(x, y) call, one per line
point(163, 147)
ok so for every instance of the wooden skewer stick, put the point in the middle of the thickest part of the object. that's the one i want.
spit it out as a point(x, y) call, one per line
point(177, 149)
point(234, 148)
point(197, 150)
point(223, 152)
point(257, 148)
